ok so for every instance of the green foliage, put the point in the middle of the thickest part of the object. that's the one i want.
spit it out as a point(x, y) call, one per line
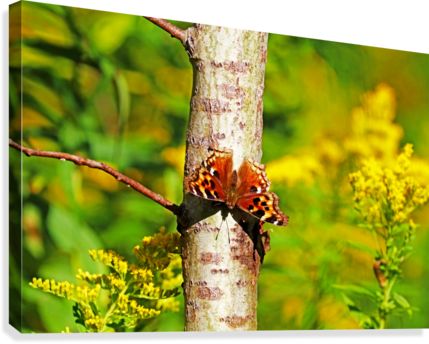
point(127, 294)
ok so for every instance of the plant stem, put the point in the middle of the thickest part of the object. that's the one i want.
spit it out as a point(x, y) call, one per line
point(112, 307)
point(385, 303)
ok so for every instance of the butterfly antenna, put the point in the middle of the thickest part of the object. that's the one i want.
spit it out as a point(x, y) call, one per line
point(220, 227)
point(227, 228)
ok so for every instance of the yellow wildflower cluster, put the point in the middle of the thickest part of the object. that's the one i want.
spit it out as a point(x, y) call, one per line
point(137, 291)
point(168, 305)
point(81, 295)
point(63, 289)
point(87, 293)
point(373, 133)
point(294, 169)
point(131, 311)
point(140, 274)
point(110, 259)
point(156, 250)
point(170, 279)
point(386, 196)
point(95, 323)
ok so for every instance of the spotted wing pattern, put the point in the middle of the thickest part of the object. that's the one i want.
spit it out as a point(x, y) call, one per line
point(264, 206)
point(211, 178)
point(252, 178)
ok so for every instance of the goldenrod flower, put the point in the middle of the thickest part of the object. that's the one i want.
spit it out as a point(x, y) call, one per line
point(374, 135)
point(110, 259)
point(386, 194)
point(136, 291)
point(292, 170)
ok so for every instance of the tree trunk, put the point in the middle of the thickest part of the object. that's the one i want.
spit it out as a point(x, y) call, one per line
point(220, 273)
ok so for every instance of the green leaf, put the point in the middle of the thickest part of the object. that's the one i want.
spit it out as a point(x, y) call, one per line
point(110, 31)
point(350, 303)
point(309, 318)
point(400, 229)
point(70, 135)
point(361, 247)
point(56, 266)
point(68, 232)
point(401, 301)
point(55, 312)
point(354, 289)
point(78, 314)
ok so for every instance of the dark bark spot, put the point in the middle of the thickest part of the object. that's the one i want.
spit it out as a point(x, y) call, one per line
point(219, 271)
point(219, 136)
point(236, 321)
point(242, 284)
point(191, 309)
point(232, 66)
point(232, 91)
point(210, 258)
point(207, 293)
point(210, 105)
point(263, 55)
point(242, 251)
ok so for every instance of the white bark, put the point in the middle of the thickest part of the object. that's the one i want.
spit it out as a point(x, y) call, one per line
point(226, 113)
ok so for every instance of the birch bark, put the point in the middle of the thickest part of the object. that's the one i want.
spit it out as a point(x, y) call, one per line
point(220, 274)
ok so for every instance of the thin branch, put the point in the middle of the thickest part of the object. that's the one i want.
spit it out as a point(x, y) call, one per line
point(174, 208)
point(172, 29)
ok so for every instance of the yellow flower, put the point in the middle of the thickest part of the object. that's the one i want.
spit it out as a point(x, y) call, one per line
point(96, 323)
point(169, 304)
point(87, 293)
point(156, 250)
point(373, 132)
point(135, 292)
point(62, 289)
point(292, 170)
point(387, 195)
point(329, 152)
point(111, 259)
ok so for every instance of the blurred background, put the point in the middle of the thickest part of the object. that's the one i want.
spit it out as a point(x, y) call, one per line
point(116, 88)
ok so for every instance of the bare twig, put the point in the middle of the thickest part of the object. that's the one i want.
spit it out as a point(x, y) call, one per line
point(172, 29)
point(174, 208)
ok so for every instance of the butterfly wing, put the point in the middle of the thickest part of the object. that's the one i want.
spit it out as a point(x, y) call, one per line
point(211, 179)
point(252, 178)
point(264, 206)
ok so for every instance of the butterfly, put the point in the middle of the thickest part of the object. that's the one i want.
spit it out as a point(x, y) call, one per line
point(247, 188)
